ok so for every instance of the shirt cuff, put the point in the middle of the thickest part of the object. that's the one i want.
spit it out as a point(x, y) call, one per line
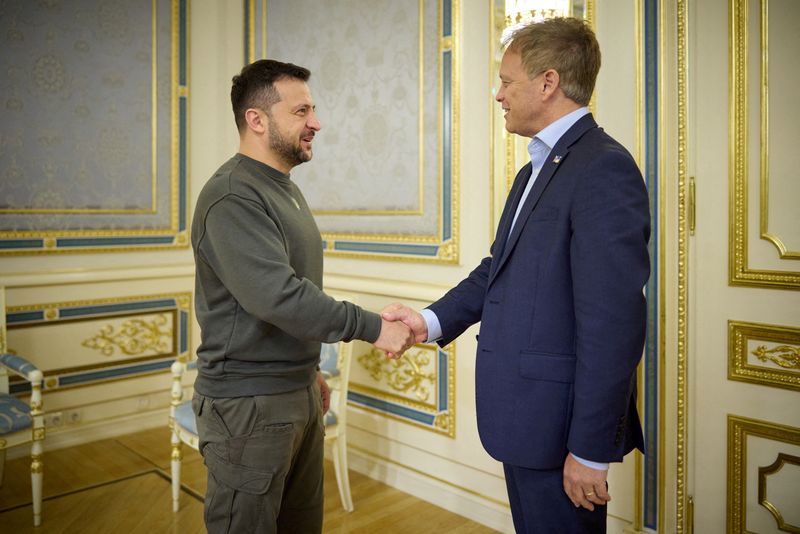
point(600, 466)
point(434, 328)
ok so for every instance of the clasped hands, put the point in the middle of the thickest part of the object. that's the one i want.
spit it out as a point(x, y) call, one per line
point(401, 327)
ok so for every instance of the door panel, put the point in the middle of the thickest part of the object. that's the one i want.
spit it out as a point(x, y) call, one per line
point(744, 304)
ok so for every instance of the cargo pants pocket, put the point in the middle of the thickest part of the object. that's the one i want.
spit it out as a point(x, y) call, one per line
point(246, 478)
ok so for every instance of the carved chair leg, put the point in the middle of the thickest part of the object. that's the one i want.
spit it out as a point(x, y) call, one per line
point(175, 464)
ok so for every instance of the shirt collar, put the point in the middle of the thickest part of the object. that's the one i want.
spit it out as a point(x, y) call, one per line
point(550, 135)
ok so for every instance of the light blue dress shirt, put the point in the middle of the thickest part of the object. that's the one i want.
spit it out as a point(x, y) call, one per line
point(539, 149)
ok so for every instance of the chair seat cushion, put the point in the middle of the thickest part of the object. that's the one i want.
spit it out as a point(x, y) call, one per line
point(330, 418)
point(15, 415)
point(184, 416)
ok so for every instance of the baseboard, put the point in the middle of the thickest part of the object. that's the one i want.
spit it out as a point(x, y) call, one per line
point(436, 492)
point(94, 431)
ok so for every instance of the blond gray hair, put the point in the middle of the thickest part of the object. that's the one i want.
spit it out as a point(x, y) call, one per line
point(566, 45)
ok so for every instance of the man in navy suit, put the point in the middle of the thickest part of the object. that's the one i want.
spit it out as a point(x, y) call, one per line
point(560, 297)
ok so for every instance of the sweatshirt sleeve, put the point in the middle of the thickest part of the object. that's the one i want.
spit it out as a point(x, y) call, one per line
point(244, 247)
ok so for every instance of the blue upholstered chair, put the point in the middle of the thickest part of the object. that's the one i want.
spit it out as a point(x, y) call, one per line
point(22, 422)
point(335, 365)
point(184, 429)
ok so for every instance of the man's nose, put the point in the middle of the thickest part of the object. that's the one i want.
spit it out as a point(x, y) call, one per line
point(313, 123)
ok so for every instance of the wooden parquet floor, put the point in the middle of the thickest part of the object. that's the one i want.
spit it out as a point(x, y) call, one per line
point(123, 485)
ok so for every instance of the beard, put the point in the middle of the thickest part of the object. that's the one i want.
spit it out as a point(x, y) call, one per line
point(291, 153)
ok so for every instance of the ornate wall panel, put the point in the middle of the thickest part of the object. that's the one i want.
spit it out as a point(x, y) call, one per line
point(418, 388)
point(384, 179)
point(94, 341)
point(764, 354)
point(93, 152)
point(763, 476)
point(765, 242)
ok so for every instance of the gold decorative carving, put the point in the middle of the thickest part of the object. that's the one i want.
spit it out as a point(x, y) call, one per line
point(763, 473)
point(134, 337)
point(443, 411)
point(740, 272)
point(739, 429)
point(184, 302)
point(406, 374)
point(785, 353)
point(39, 434)
point(681, 524)
point(37, 465)
point(177, 453)
point(782, 355)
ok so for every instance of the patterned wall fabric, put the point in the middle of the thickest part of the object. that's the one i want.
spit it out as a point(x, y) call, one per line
point(86, 99)
point(366, 81)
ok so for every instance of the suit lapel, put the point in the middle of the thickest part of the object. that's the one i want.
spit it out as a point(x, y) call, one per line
point(554, 160)
point(500, 239)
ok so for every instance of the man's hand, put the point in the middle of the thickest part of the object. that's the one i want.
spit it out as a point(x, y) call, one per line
point(585, 486)
point(394, 339)
point(410, 317)
point(325, 393)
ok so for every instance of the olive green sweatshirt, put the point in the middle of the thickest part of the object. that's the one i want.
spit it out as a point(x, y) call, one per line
point(258, 285)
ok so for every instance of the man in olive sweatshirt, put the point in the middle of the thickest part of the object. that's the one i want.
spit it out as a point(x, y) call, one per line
point(259, 398)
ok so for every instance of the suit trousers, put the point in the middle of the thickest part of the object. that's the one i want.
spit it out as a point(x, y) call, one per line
point(264, 458)
point(539, 504)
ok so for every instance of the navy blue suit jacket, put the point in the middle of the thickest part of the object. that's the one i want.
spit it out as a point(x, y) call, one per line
point(561, 308)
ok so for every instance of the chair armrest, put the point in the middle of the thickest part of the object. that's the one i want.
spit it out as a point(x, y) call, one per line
point(22, 367)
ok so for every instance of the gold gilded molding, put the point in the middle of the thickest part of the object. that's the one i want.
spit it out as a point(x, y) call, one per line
point(406, 374)
point(739, 429)
point(740, 273)
point(763, 474)
point(134, 337)
point(681, 523)
point(782, 348)
point(764, 191)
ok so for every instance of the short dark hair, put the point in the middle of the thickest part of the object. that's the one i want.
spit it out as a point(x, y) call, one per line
point(254, 86)
point(567, 45)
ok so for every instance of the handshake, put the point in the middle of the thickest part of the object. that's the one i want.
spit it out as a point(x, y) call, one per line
point(401, 327)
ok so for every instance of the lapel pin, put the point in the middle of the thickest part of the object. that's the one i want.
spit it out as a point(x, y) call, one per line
point(557, 160)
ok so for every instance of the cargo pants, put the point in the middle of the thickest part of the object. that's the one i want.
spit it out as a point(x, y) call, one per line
point(264, 458)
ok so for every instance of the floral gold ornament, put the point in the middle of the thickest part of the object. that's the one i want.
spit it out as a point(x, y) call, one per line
point(764, 354)
point(782, 355)
point(134, 337)
point(406, 374)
